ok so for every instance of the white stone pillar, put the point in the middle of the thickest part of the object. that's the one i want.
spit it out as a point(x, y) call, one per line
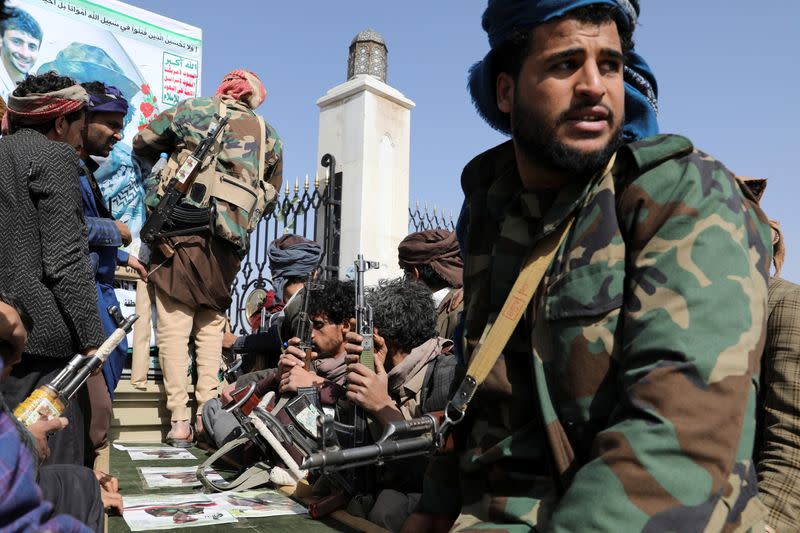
point(366, 125)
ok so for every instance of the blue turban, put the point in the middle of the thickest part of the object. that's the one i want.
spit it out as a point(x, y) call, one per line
point(297, 260)
point(111, 101)
point(503, 18)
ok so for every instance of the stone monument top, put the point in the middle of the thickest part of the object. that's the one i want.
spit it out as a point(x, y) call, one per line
point(368, 55)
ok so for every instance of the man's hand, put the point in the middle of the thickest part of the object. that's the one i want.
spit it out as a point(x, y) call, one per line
point(41, 429)
point(226, 393)
point(370, 390)
point(109, 491)
point(107, 481)
point(297, 377)
point(136, 265)
point(124, 232)
point(112, 501)
point(228, 339)
point(12, 335)
point(293, 356)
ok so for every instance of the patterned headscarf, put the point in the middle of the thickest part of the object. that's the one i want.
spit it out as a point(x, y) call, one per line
point(111, 101)
point(437, 248)
point(503, 18)
point(291, 256)
point(243, 85)
point(41, 108)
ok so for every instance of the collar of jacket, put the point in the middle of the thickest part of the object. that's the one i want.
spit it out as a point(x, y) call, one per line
point(496, 170)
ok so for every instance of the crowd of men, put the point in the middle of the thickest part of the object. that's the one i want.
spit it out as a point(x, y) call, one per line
point(606, 327)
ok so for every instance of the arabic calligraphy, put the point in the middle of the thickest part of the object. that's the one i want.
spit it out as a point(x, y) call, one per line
point(179, 78)
point(118, 26)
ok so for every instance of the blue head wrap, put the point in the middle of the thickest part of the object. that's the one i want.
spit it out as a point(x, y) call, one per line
point(295, 261)
point(112, 101)
point(503, 18)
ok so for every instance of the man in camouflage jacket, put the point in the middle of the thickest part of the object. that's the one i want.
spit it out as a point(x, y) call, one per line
point(624, 400)
point(192, 286)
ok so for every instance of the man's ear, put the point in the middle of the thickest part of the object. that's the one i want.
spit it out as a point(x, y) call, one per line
point(504, 86)
point(346, 327)
point(60, 126)
point(416, 273)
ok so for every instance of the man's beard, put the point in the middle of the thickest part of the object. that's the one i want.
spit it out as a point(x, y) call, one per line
point(537, 141)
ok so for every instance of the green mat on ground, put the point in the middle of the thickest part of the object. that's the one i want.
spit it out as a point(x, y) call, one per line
point(131, 483)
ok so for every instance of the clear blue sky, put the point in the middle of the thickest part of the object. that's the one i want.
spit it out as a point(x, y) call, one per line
point(727, 71)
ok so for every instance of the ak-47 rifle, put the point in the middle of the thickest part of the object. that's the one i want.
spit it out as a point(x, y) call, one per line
point(51, 399)
point(364, 323)
point(400, 440)
point(304, 326)
point(159, 222)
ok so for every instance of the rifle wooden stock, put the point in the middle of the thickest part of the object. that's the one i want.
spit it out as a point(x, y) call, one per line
point(248, 405)
point(328, 504)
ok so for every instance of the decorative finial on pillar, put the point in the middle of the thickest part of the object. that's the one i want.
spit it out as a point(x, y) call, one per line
point(368, 55)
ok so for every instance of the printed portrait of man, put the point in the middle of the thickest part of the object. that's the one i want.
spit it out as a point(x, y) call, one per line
point(21, 41)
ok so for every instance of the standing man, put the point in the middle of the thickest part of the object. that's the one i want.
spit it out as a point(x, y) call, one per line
point(433, 258)
point(21, 39)
point(43, 252)
point(105, 119)
point(192, 281)
point(625, 398)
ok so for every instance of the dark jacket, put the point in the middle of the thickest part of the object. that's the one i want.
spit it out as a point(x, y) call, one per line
point(43, 251)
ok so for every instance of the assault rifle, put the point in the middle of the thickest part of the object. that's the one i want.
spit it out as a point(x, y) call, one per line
point(51, 399)
point(304, 326)
point(161, 217)
point(400, 440)
point(364, 323)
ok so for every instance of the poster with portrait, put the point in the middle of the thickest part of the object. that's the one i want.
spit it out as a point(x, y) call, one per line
point(156, 453)
point(154, 512)
point(153, 60)
point(257, 503)
point(156, 477)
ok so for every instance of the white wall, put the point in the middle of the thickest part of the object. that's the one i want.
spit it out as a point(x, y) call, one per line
point(366, 125)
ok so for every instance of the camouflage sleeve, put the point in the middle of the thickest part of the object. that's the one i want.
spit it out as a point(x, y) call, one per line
point(159, 136)
point(274, 159)
point(693, 320)
point(779, 458)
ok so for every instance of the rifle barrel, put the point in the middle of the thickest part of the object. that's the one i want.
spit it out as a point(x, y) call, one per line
point(373, 453)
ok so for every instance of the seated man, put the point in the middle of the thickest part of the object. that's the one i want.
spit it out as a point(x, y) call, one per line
point(330, 310)
point(291, 259)
point(433, 258)
point(414, 374)
point(62, 489)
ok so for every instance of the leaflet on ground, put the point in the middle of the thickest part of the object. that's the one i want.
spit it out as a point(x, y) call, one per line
point(150, 453)
point(175, 476)
point(154, 512)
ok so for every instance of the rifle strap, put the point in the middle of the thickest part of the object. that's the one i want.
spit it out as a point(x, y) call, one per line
point(255, 476)
point(498, 331)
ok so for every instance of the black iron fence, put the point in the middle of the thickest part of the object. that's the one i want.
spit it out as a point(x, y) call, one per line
point(422, 219)
point(312, 209)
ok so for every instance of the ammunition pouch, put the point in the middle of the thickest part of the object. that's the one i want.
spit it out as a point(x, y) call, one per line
point(240, 205)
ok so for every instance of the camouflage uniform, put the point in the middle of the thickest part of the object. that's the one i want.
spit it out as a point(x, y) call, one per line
point(186, 124)
point(625, 399)
point(193, 286)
